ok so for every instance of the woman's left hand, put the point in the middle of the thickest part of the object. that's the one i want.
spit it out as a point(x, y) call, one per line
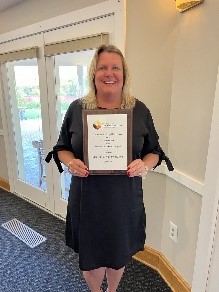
point(137, 168)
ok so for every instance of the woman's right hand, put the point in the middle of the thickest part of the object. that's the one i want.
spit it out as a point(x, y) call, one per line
point(77, 168)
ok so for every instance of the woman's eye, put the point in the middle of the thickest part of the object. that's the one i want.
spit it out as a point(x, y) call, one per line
point(116, 68)
point(105, 68)
point(100, 68)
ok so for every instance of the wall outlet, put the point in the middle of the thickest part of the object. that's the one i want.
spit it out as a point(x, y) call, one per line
point(173, 232)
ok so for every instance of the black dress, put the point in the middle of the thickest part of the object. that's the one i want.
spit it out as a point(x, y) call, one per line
point(106, 218)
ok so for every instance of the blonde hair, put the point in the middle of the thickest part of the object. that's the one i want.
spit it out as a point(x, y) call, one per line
point(89, 101)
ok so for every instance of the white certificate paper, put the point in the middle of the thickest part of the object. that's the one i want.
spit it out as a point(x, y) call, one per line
point(107, 142)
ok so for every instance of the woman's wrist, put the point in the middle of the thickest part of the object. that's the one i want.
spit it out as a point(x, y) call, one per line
point(70, 163)
point(146, 169)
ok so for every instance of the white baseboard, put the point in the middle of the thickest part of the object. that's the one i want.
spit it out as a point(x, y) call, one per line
point(157, 261)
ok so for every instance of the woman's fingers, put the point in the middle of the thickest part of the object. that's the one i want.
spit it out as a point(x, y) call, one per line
point(77, 168)
point(136, 168)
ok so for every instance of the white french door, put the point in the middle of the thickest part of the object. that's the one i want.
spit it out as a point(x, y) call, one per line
point(67, 83)
point(36, 91)
point(26, 103)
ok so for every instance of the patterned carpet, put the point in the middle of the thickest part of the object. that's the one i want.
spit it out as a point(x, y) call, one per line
point(51, 266)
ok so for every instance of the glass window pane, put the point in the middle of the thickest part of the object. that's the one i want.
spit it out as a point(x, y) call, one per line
point(71, 83)
point(23, 81)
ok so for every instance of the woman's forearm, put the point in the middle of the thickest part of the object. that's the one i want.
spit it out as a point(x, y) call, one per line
point(151, 160)
point(65, 156)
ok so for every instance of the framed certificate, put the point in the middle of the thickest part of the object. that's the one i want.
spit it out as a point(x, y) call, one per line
point(107, 140)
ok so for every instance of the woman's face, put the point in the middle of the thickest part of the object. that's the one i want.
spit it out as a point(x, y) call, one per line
point(109, 75)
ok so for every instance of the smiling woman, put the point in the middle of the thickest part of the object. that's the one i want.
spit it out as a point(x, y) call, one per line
point(107, 208)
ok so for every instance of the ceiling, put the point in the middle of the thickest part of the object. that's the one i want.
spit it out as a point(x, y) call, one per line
point(5, 4)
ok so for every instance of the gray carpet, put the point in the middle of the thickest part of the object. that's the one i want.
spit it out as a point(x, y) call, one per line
point(51, 266)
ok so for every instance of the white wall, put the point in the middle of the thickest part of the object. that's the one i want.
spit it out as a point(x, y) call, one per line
point(194, 81)
point(174, 59)
point(182, 207)
point(196, 62)
point(150, 45)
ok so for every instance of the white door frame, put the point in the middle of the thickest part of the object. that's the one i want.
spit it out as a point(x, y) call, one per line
point(209, 210)
point(213, 279)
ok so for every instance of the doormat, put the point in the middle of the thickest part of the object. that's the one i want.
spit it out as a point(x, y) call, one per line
point(24, 233)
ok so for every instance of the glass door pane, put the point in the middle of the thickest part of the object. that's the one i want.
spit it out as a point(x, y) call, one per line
point(23, 81)
point(71, 82)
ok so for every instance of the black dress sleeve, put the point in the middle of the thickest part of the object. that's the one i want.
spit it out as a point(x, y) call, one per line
point(64, 140)
point(151, 143)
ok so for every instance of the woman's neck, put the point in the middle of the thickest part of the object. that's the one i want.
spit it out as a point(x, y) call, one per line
point(109, 103)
